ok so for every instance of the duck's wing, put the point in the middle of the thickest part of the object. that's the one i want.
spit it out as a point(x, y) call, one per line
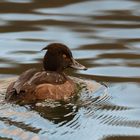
point(18, 84)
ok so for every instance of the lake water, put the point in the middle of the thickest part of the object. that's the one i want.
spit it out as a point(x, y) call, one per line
point(104, 35)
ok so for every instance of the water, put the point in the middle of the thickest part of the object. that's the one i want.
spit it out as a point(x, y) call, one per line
point(104, 35)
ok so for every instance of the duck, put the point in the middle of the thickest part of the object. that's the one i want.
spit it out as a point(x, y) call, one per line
point(49, 83)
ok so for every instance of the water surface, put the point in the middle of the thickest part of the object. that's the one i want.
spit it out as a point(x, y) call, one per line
point(104, 35)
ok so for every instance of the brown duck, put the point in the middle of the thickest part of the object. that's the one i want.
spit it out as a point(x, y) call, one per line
point(51, 83)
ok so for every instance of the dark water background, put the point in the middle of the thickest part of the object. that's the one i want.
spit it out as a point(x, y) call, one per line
point(104, 35)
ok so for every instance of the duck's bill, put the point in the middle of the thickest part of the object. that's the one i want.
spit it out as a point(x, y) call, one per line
point(77, 65)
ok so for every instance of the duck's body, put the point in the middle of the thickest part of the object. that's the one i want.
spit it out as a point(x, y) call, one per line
point(35, 85)
point(50, 83)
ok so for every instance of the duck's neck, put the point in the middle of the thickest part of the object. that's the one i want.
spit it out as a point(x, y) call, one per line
point(51, 63)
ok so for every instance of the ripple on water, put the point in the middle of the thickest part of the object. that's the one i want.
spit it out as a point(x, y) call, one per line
point(51, 120)
point(91, 7)
point(17, 1)
point(116, 71)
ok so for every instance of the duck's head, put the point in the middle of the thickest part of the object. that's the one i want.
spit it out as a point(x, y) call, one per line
point(59, 57)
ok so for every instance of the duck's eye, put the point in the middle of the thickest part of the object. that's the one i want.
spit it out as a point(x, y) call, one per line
point(64, 56)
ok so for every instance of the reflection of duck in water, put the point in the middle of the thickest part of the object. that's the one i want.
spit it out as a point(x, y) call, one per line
point(56, 112)
point(52, 83)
